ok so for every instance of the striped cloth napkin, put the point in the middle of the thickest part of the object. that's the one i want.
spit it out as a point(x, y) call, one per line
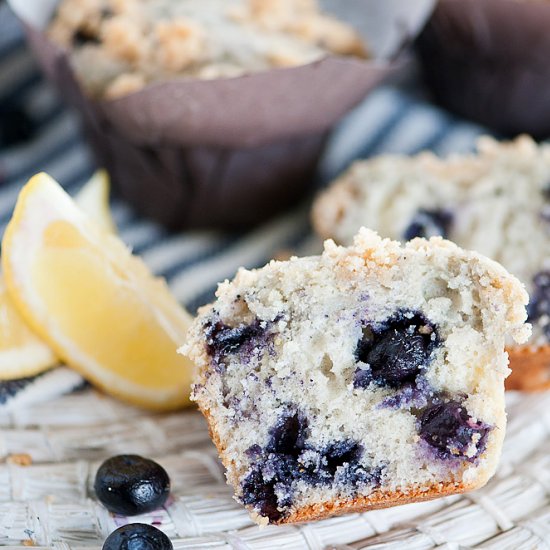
point(37, 133)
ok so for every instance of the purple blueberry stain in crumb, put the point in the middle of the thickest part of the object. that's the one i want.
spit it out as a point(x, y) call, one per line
point(410, 397)
point(341, 452)
point(288, 436)
point(254, 451)
point(260, 493)
point(223, 339)
point(246, 340)
point(448, 429)
point(407, 398)
point(539, 302)
point(288, 459)
point(275, 466)
point(241, 408)
point(429, 223)
point(340, 463)
point(394, 353)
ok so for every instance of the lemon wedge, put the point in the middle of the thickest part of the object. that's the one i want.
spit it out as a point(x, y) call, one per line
point(94, 303)
point(22, 352)
point(93, 199)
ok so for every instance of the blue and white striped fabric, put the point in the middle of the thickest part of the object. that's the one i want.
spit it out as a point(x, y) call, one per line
point(393, 119)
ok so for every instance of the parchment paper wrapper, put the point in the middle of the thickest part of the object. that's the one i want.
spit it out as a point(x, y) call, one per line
point(227, 152)
point(489, 60)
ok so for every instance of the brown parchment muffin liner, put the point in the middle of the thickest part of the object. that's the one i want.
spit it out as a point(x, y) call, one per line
point(489, 60)
point(530, 368)
point(225, 152)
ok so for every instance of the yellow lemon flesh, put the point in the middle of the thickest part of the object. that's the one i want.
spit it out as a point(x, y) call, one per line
point(93, 200)
point(22, 352)
point(93, 302)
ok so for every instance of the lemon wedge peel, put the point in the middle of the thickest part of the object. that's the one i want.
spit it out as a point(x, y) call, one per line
point(93, 200)
point(46, 231)
point(22, 353)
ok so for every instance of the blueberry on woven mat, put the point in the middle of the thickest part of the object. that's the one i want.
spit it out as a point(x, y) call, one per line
point(137, 536)
point(130, 484)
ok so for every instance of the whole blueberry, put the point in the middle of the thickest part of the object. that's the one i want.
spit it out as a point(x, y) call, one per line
point(449, 429)
point(395, 355)
point(137, 536)
point(130, 484)
point(429, 223)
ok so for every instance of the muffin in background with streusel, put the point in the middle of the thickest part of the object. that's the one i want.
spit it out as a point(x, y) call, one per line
point(117, 47)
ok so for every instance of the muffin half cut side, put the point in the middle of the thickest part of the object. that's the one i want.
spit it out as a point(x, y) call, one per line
point(366, 377)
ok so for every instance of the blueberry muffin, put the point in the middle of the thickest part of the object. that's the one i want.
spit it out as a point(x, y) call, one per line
point(119, 46)
point(363, 378)
point(496, 202)
point(489, 60)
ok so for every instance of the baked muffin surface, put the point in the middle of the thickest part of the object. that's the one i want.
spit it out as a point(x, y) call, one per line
point(119, 46)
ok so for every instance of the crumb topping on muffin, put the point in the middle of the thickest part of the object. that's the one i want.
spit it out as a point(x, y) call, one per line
point(119, 46)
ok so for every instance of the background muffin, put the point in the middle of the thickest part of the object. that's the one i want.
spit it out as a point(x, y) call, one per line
point(119, 47)
point(489, 60)
point(203, 150)
point(495, 202)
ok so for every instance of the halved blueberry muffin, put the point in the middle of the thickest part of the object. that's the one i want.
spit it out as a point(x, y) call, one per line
point(496, 202)
point(366, 377)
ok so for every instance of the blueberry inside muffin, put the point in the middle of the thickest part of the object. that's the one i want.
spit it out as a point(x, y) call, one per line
point(368, 376)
